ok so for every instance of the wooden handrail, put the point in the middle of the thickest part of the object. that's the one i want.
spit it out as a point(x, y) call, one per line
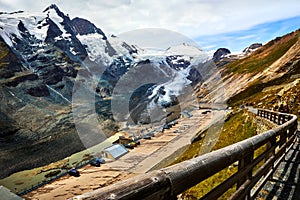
point(168, 182)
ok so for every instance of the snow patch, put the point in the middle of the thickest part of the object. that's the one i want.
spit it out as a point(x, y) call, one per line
point(184, 49)
point(6, 38)
point(117, 44)
point(95, 48)
point(173, 87)
point(35, 23)
point(9, 23)
point(72, 51)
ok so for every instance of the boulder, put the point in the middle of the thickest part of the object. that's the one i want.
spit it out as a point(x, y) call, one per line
point(220, 53)
point(252, 48)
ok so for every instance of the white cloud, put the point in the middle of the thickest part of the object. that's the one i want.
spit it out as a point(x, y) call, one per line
point(155, 38)
point(192, 18)
point(246, 37)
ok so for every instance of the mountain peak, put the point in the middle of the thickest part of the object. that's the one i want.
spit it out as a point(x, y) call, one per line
point(56, 9)
point(52, 6)
point(220, 53)
point(85, 27)
point(252, 48)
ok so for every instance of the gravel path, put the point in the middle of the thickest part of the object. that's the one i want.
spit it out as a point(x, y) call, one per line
point(139, 160)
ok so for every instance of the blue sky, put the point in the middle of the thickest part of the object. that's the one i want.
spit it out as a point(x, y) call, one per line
point(236, 41)
point(234, 24)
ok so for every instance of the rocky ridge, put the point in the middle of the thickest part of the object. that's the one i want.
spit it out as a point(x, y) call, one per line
point(251, 78)
point(43, 57)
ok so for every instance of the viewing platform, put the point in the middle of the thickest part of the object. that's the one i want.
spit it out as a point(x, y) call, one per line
point(285, 183)
point(273, 174)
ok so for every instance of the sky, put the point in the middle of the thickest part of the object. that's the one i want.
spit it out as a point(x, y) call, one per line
point(234, 24)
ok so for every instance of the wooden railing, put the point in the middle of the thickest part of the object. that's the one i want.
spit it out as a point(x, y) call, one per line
point(168, 182)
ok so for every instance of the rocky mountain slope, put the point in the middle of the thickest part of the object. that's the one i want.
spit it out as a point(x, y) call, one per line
point(266, 78)
point(48, 58)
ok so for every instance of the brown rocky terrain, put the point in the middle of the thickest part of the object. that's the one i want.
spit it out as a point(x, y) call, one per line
point(246, 80)
point(30, 123)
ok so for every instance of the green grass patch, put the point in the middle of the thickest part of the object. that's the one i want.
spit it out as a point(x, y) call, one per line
point(256, 95)
point(241, 125)
point(257, 153)
point(260, 60)
point(207, 185)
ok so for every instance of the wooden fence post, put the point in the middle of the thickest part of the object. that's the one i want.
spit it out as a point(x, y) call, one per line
point(244, 162)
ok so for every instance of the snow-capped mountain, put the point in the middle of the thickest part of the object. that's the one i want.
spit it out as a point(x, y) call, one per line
point(49, 43)
point(223, 56)
point(75, 37)
point(43, 58)
point(37, 39)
